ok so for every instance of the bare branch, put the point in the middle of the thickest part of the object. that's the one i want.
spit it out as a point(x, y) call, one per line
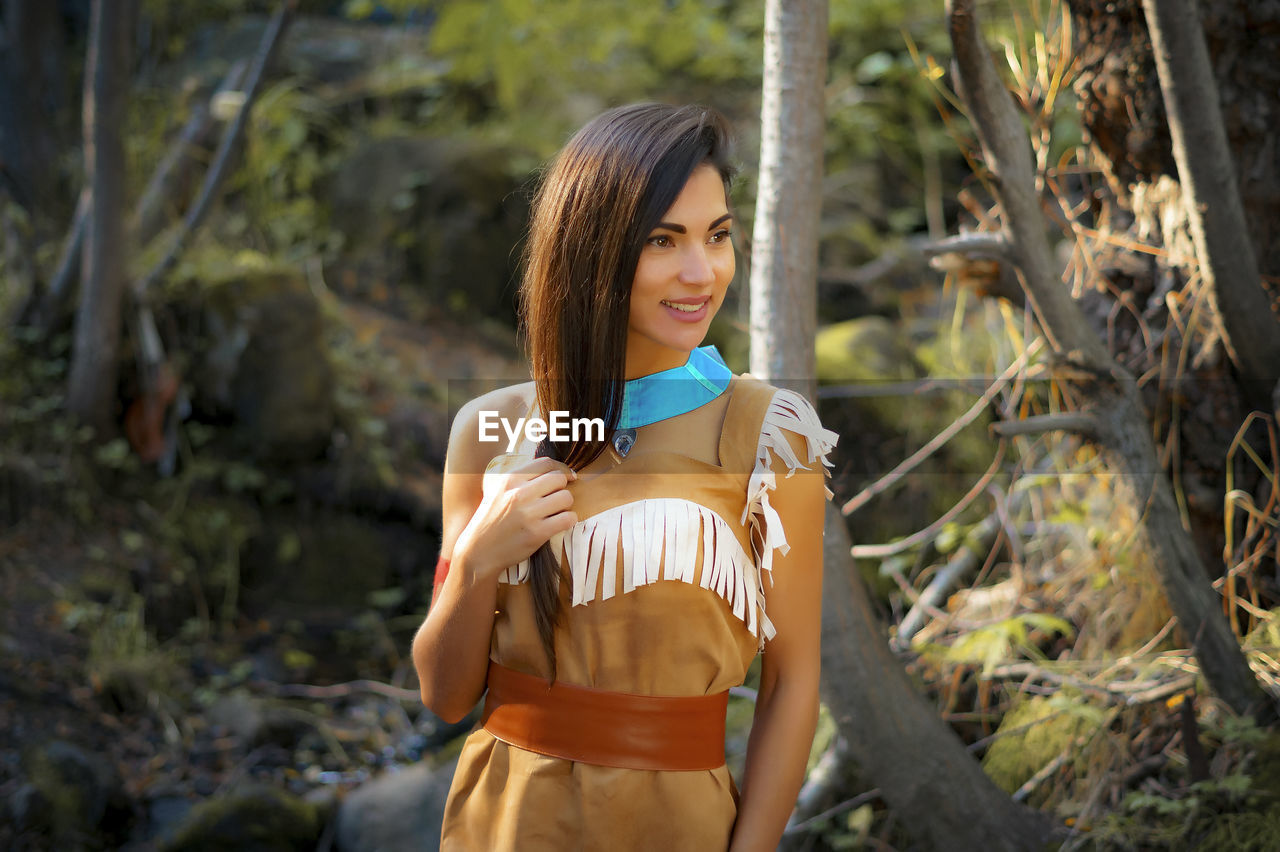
point(936, 443)
point(879, 551)
point(271, 39)
point(980, 243)
point(1082, 424)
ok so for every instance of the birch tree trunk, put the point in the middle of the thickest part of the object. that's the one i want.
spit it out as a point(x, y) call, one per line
point(784, 255)
point(897, 739)
point(91, 391)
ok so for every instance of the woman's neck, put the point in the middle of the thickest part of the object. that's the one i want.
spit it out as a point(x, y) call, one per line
point(645, 361)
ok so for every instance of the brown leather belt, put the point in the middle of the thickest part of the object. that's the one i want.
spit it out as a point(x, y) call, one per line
point(605, 728)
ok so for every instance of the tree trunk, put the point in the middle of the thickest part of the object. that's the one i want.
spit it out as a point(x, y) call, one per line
point(784, 256)
point(923, 770)
point(1123, 429)
point(1251, 334)
point(32, 92)
point(1123, 112)
point(91, 392)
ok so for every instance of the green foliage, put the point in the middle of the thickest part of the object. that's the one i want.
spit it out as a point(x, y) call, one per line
point(999, 642)
point(527, 53)
point(289, 150)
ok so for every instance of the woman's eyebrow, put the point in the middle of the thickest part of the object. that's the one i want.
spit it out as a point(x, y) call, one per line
point(681, 229)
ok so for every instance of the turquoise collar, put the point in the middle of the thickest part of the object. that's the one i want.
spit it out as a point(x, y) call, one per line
point(649, 399)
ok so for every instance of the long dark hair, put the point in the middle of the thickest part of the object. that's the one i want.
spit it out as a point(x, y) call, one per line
point(598, 202)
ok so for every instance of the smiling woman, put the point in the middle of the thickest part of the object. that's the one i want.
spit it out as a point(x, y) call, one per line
point(604, 592)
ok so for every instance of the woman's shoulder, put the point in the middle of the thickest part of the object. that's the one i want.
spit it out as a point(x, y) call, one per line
point(477, 435)
point(778, 423)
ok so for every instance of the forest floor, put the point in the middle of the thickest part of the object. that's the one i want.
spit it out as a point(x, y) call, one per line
point(163, 723)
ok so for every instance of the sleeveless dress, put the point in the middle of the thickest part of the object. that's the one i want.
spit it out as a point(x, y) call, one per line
point(662, 588)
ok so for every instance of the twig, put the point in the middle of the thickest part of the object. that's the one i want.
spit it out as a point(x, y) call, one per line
point(946, 579)
point(887, 481)
point(1067, 421)
point(879, 551)
point(846, 805)
point(980, 243)
point(338, 690)
point(1021, 794)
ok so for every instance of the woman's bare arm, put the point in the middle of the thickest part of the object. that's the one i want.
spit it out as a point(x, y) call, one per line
point(787, 704)
point(488, 525)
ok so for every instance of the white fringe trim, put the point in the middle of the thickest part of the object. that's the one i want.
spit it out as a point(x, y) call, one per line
point(658, 539)
point(791, 412)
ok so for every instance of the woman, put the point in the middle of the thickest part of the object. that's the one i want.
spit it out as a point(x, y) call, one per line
point(610, 590)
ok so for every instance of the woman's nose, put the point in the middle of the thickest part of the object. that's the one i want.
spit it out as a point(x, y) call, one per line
point(696, 267)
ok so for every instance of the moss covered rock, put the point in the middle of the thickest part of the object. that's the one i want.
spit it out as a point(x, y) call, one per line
point(1031, 735)
point(253, 819)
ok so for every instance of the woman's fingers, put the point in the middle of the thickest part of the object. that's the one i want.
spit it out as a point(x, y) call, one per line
point(540, 467)
point(547, 483)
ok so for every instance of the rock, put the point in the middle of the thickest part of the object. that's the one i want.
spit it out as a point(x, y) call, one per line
point(70, 793)
point(30, 810)
point(165, 814)
point(266, 364)
point(442, 215)
point(866, 349)
point(283, 389)
point(398, 812)
point(258, 722)
point(255, 818)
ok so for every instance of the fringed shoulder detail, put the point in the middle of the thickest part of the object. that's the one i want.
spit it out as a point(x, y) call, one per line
point(788, 412)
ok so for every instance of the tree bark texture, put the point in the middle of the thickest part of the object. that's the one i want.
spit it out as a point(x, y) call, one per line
point(1125, 120)
point(784, 258)
point(91, 392)
point(923, 771)
point(1123, 426)
point(1122, 108)
point(1227, 265)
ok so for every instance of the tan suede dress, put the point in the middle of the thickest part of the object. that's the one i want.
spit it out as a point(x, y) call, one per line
point(662, 593)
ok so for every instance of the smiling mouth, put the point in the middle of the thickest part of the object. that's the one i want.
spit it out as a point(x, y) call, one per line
point(685, 308)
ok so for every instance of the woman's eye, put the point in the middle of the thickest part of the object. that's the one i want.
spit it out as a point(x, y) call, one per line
point(659, 240)
point(721, 236)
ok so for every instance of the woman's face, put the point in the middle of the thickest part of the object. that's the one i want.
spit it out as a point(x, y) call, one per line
point(685, 267)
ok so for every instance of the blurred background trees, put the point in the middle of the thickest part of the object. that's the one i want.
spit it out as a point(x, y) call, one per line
point(225, 594)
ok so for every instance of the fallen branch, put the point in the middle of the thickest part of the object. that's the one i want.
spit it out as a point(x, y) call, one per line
point(213, 179)
point(339, 690)
point(964, 562)
point(179, 159)
point(53, 308)
point(847, 805)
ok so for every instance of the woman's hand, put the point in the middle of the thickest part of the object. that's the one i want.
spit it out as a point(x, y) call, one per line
point(490, 521)
point(519, 510)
